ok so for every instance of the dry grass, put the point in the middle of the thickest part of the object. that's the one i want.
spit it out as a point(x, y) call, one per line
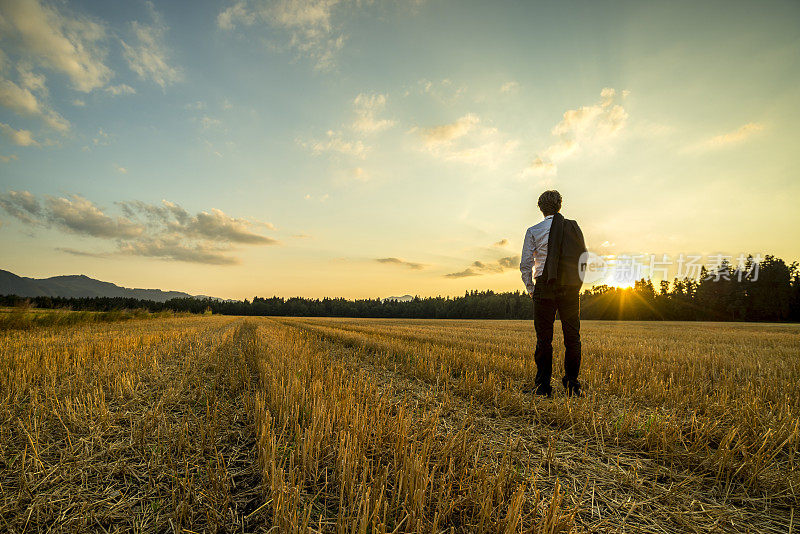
point(23, 318)
point(339, 425)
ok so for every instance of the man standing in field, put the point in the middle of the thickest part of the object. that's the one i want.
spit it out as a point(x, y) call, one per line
point(552, 253)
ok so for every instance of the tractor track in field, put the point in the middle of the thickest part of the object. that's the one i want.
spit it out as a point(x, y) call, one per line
point(611, 487)
point(139, 467)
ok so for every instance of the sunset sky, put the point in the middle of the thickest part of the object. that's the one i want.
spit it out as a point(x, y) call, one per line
point(367, 149)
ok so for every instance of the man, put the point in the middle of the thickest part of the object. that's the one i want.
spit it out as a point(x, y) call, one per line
point(552, 253)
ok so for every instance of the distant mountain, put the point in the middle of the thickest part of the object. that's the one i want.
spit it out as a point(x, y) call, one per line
point(78, 286)
point(404, 298)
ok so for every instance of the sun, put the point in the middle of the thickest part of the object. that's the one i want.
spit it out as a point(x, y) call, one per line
point(621, 284)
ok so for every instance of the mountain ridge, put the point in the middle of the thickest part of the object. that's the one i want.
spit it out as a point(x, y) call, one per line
point(79, 286)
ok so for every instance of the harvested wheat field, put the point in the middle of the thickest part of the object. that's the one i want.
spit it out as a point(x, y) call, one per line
point(225, 424)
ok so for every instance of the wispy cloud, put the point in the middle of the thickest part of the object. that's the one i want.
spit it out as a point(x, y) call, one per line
point(83, 253)
point(147, 54)
point(466, 140)
point(54, 37)
point(438, 136)
point(359, 175)
point(367, 107)
point(478, 268)
point(735, 137)
point(588, 125)
point(18, 137)
point(350, 140)
point(509, 87)
point(398, 261)
point(65, 43)
point(212, 225)
point(444, 91)
point(163, 230)
point(502, 243)
point(78, 215)
point(23, 102)
point(171, 248)
point(121, 89)
point(335, 142)
point(306, 24)
point(22, 205)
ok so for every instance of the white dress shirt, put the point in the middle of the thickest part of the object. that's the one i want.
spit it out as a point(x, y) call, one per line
point(534, 252)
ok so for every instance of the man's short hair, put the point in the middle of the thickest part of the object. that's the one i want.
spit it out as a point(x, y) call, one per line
point(550, 202)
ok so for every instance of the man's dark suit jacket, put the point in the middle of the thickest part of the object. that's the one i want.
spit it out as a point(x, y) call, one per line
point(563, 266)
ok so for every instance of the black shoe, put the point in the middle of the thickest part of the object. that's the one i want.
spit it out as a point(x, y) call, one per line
point(573, 387)
point(538, 390)
point(575, 392)
point(543, 391)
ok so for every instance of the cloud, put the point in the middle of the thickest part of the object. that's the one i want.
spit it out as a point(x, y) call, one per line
point(306, 25)
point(148, 56)
point(209, 122)
point(18, 137)
point(542, 167)
point(66, 44)
point(463, 274)
point(446, 133)
point(367, 107)
point(174, 249)
point(83, 253)
point(502, 243)
point(18, 99)
point(103, 138)
point(467, 141)
point(735, 137)
point(23, 102)
point(444, 90)
point(163, 230)
point(121, 89)
point(397, 261)
point(478, 268)
point(213, 226)
point(220, 227)
point(121, 169)
point(509, 87)
point(8, 159)
point(80, 216)
point(336, 143)
point(23, 205)
point(196, 106)
point(360, 175)
point(588, 125)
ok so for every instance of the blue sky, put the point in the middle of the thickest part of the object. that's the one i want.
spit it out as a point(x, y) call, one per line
point(373, 148)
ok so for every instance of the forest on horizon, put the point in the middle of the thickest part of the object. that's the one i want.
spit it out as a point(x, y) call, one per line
point(719, 295)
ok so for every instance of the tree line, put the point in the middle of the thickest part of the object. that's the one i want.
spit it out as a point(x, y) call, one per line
point(720, 295)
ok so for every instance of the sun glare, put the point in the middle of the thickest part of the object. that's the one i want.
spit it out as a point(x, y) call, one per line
point(621, 284)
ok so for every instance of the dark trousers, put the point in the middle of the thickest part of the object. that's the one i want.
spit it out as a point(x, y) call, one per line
point(565, 300)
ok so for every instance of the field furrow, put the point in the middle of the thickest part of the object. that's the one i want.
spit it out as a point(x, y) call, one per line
point(740, 497)
point(139, 427)
point(213, 424)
